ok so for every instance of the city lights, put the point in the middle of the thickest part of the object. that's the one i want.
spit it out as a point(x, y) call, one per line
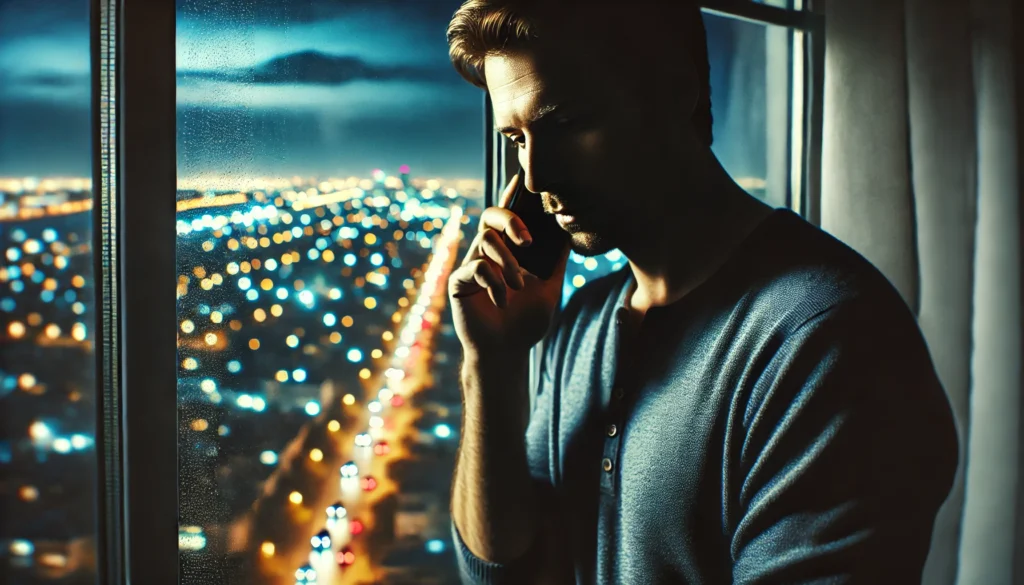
point(272, 269)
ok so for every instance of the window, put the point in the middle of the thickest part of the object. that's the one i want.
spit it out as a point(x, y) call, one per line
point(298, 172)
point(47, 364)
point(329, 156)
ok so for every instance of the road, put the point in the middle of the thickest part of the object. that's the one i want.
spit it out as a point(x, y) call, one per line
point(409, 374)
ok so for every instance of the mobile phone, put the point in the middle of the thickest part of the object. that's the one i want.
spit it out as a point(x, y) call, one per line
point(549, 239)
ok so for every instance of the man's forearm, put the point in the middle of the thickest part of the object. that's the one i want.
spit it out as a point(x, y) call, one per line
point(493, 499)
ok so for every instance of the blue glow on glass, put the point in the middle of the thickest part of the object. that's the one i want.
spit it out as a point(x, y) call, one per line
point(376, 259)
point(252, 295)
point(312, 408)
point(350, 259)
point(299, 375)
point(244, 283)
point(330, 319)
point(282, 293)
point(354, 355)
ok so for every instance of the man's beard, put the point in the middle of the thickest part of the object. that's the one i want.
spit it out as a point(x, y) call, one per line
point(589, 244)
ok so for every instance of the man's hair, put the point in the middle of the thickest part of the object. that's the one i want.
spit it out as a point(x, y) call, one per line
point(645, 38)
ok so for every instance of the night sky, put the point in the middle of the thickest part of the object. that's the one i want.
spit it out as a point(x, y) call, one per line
point(321, 87)
point(310, 87)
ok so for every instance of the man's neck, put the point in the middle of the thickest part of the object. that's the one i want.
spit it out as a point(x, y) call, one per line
point(691, 245)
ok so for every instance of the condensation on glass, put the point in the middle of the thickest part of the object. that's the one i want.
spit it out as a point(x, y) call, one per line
point(48, 456)
point(330, 174)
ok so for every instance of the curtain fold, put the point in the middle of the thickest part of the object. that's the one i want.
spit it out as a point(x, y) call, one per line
point(992, 491)
point(920, 174)
point(943, 146)
point(866, 195)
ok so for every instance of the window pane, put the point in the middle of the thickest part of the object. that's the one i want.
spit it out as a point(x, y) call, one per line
point(750, 89)
point(328, 157)
point(47, 377)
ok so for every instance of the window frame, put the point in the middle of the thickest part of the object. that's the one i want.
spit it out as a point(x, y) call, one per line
point(134, 181)
point(134, 176)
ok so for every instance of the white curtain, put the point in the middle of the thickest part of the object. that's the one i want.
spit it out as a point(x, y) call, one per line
point(921, 160)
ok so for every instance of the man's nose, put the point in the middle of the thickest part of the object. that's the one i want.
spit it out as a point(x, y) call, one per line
point(542, 169)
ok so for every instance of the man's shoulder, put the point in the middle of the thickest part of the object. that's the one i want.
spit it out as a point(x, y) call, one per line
point(802, 271)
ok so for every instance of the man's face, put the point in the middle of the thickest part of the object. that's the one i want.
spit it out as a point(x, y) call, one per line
point(586, 144)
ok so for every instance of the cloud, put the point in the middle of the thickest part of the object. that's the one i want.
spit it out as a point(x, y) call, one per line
point(53, 80)
point(317, 68)
point(71, 88)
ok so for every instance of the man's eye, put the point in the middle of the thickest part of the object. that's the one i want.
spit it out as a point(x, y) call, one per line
point(517, 142)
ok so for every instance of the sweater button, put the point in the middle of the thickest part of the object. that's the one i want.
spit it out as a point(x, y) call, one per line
point(607, 464)
point(612, 430)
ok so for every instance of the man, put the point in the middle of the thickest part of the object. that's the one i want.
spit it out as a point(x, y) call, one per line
point(749, 401)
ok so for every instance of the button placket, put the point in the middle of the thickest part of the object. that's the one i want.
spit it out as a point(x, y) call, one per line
point(612, 430)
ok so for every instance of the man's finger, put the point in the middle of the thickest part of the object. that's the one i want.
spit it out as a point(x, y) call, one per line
point(506, 222)
point(510, 189)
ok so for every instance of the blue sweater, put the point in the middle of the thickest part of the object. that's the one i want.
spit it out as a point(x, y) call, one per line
point(783, 424)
